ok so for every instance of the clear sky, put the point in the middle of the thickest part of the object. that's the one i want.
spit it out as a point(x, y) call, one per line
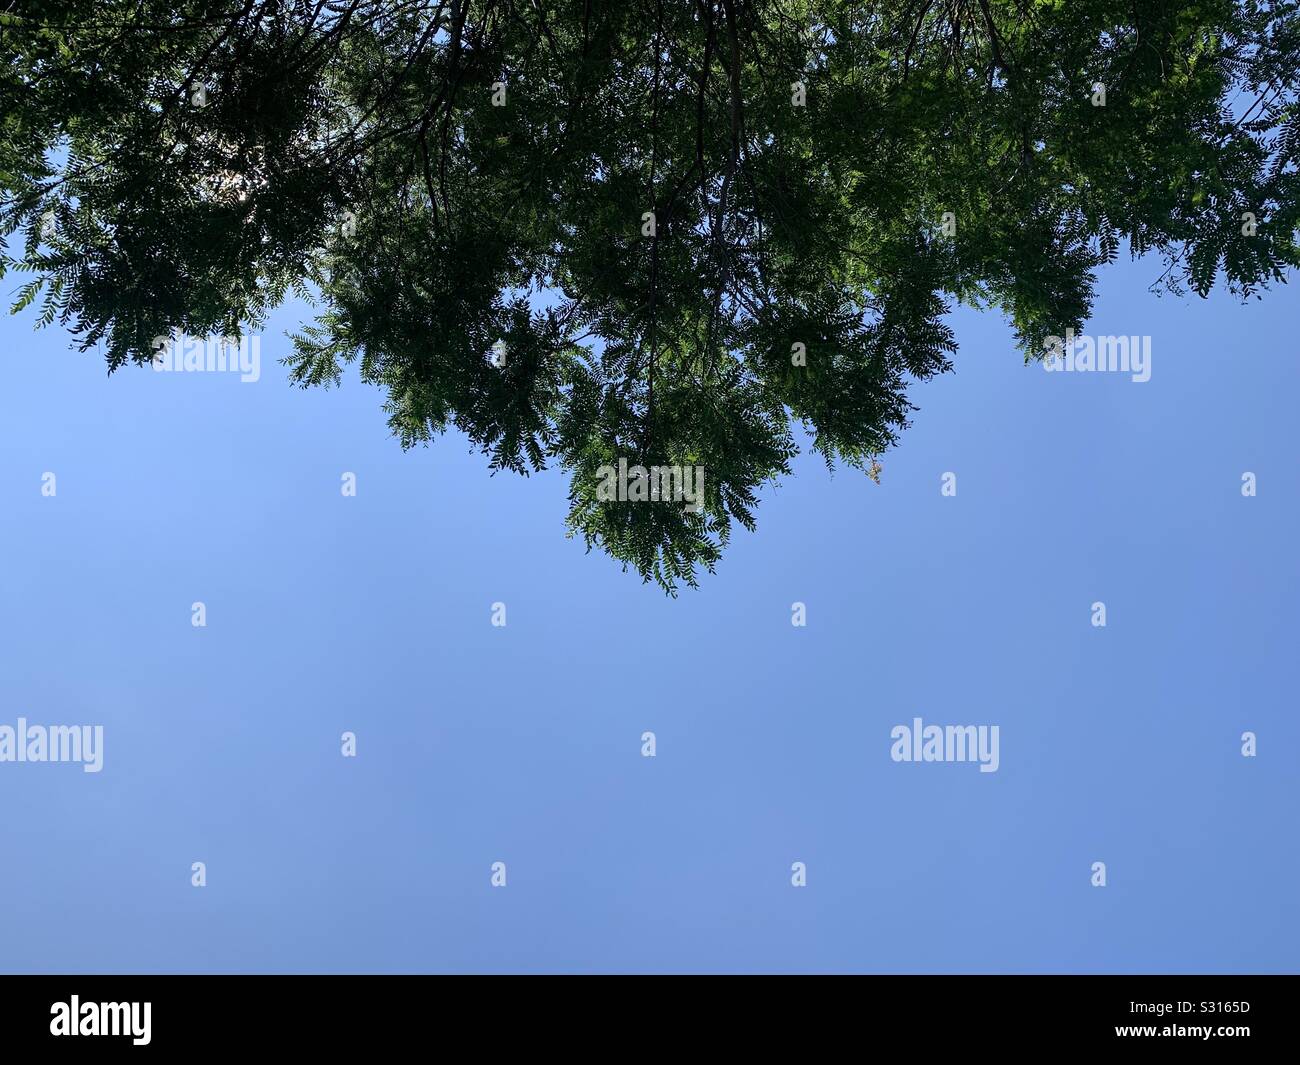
point(522, 744)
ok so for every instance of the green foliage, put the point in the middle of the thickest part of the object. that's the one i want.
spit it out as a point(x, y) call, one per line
point(201, 161)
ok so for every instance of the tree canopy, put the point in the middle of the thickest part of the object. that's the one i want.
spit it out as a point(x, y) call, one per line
point(688, 227)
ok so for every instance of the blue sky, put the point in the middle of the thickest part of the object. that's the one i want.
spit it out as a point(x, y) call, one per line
point(521, 744)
